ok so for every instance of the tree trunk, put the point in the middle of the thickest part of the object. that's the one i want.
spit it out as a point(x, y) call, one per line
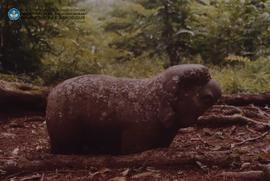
point(167, 35)
point(246, 99)
point(16, 97)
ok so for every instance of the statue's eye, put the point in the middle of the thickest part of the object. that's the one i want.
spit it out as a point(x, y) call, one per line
point(207, 99)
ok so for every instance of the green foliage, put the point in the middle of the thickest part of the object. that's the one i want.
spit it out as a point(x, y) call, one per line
point(230, 27)
point(251, 77)
point(23, 42)
point(153, 27)
point(77, 51)
point(235, 60)
point(135, 69)
point(181, 29)
point(136, 38)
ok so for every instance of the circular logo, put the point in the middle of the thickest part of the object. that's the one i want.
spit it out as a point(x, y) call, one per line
point(14, 14)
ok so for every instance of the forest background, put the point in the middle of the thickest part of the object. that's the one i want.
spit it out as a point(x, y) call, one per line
point(139, 38)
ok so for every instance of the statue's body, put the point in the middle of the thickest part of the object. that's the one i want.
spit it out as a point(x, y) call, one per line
point(105, 114)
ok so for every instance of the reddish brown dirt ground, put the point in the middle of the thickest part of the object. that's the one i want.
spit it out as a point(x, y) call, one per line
point(26, 137)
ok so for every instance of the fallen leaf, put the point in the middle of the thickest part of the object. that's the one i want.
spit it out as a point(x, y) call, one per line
point(8, 135)
point(144, 174)
point(2, 172)
point(245, 165)
point(16, 125)
point(201, 165)
point(151, 169)
point(126, 172)
point(118, 179)
point(103, 171)
point(33, 177)
point(11, 163)
point(207, 132)
point(15, 151)
point(216, 148)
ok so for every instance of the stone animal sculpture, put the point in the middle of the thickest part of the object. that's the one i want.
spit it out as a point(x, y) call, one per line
point(104, 114)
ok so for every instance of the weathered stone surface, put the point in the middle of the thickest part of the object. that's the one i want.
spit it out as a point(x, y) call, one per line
point(99, 113)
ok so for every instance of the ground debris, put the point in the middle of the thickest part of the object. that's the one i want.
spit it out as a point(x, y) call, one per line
point(247, 175)
point(224, 115)
point(203, 152)
point(145, 174)
point(33, 177)
point(250, 139)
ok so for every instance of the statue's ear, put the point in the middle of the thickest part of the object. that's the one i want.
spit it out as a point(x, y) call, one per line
point(185, 76)
point(167, 116)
